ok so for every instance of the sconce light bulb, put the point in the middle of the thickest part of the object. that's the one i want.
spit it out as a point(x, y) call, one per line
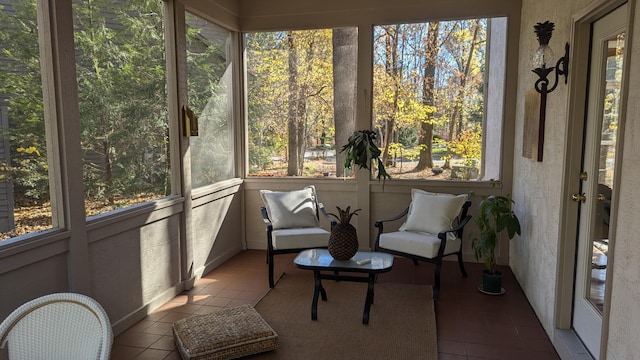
point(543, 57)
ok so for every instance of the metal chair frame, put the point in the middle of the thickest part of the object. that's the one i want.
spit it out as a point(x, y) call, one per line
point(271, 251)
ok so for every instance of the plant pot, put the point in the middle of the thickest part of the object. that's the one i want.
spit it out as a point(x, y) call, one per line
point(492, 283)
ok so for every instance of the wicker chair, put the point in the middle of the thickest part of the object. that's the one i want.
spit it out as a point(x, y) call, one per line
point(292, 221)
point(62, 326)
point(433, 230)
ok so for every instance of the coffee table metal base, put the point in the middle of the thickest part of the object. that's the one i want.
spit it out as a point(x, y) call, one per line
point(324, 266)
point(320, 291)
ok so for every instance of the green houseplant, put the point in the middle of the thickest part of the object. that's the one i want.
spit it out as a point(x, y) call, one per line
point(361, 149)
point(495, 217)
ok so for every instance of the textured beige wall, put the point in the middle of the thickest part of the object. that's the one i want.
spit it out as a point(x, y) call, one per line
point(534, 257)
point(537, 185)
point(216, 228)
point(134, 267)
point(30, 274)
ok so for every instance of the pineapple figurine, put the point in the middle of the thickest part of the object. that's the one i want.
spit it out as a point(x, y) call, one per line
point(343, 242)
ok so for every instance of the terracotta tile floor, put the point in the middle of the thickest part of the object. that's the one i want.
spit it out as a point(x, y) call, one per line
point(471, 325)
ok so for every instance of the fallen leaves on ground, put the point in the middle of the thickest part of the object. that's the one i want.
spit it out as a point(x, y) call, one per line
point(34, 218)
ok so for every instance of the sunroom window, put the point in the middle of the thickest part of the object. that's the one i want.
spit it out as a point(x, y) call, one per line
point(437, 99)
point(121, 71)
point(210, 86)
point(301, 100)
point(24, 168)
point(437, 102)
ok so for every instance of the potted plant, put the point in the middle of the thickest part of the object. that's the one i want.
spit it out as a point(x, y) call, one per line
point(495, 216)
point(361, 149)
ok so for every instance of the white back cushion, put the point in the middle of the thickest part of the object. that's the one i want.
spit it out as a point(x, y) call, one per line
point(432, 212)
point(291, 209)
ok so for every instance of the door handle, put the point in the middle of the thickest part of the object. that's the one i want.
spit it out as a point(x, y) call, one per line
point(579, 197)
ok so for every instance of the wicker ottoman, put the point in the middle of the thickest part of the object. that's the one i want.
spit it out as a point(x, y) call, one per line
point(225, 334)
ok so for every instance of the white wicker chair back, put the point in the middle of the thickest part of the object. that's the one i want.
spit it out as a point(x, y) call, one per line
point(63, 326)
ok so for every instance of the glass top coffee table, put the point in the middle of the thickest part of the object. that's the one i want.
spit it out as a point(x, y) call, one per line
point(319, 260)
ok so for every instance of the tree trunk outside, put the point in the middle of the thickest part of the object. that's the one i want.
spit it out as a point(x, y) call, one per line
point(108, 171)
point(391, 67)
point(428, 86)
point(345, 53)
point(294, 122)
point(457, 109)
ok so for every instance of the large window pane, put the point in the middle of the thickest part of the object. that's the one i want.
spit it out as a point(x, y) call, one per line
point(121, 66)
point(429, 98)
point(301, 100)
point(24, 178)
point(210, 82)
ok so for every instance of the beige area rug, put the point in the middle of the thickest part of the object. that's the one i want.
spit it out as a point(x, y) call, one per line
point(402, 322)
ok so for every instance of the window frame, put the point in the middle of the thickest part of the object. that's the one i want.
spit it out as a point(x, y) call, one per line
point(495, 96)
point(493, 143)
point(322, 174)
point(231, 101)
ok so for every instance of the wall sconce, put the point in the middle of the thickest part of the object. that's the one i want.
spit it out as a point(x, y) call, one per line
point(541, 60)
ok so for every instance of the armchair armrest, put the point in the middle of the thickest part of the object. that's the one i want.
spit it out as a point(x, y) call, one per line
point(324, 213)
point(380, 225)
point(266, 219)
point(442, 235)
point(404, 213)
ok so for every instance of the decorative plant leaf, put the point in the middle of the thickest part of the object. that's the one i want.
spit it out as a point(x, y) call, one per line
point(345, 215)
point(361, 149)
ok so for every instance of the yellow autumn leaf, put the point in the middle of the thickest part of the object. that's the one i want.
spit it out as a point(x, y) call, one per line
point(32, 150)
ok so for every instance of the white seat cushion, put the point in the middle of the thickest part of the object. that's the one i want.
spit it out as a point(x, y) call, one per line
point(300, 238)
point(421, 244)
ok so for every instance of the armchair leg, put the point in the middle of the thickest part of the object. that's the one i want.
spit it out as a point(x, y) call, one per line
point(270, 262)
point(464, 272)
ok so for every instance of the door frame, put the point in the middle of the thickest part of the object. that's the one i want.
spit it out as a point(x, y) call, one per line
point(577, 96)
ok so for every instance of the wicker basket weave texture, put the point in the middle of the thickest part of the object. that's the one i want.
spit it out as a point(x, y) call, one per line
point(57, 326)
point(225, 334)
point(343, 242)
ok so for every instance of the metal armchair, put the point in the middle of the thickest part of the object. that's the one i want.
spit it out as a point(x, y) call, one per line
point(428, 246)
point(292, 221)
